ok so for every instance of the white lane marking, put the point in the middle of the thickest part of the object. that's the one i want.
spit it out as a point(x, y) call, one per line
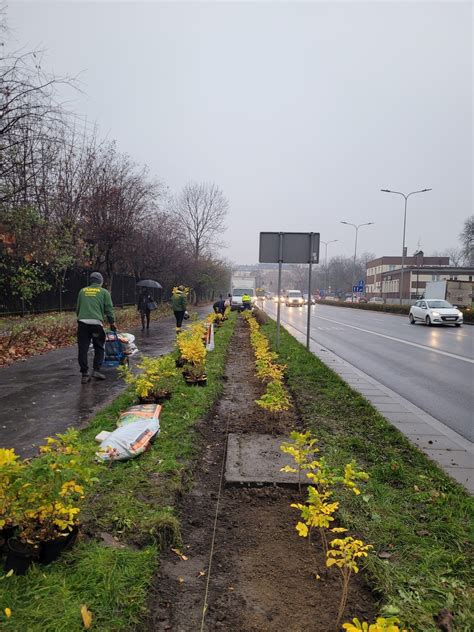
point(405, 342)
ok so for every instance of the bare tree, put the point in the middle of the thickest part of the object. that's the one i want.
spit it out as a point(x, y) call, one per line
point(467, 240)
point(201, 209)
point(120, 199)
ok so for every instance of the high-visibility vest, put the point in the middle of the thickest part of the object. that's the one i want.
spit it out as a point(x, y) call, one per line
point(246, 298)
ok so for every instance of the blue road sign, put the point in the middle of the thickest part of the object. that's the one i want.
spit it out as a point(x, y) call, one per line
point(357, 288)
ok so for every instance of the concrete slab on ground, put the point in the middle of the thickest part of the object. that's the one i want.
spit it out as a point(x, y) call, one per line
point(255, 459)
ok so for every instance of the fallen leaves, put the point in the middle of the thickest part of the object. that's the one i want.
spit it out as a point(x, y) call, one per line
point(179, 554)
point(86, 615)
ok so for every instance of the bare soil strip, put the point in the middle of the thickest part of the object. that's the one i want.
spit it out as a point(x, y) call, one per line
point(263, 574)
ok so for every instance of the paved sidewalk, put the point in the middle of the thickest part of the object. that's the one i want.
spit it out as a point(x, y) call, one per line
point(44, 395)
point(452, 452)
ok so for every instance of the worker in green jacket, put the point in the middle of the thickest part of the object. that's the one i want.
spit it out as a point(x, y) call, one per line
point(179, 304)
point(94, 305)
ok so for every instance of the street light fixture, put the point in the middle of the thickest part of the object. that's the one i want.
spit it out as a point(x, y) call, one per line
point(326, 244)
point(406, 196)
point(356, 226)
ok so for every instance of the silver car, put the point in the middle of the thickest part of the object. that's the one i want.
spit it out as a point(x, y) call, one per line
point(435, 312)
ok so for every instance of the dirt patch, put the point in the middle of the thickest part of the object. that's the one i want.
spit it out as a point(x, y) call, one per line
point(263, 575)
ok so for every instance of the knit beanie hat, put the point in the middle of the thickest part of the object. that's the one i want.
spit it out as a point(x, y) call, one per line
point(96, 277)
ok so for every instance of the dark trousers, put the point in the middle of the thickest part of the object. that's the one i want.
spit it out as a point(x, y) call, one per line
point(179, 318)
point(145, 314)
point(86, 333)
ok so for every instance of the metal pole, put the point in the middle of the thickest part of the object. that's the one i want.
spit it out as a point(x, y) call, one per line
point(403, 249)
point(406, 196)
point(326, 265)
point(309, 289)
point(280, 260)
point(355, 257)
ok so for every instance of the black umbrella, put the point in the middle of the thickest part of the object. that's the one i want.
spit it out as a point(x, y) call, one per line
point(149, 283)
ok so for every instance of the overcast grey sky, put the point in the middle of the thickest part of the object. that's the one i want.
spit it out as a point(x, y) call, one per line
point(300, 112)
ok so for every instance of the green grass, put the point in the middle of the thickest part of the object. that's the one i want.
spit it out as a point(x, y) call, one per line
point(133, 501)
point(409, 507)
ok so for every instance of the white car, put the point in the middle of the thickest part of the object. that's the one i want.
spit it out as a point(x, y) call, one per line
point(376, 299)
point(294, 298)
point(435, 312)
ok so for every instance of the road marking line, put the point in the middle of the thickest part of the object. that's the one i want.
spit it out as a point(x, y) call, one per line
point(405, 342)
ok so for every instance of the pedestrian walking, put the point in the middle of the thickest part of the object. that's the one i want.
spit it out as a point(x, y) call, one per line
point(145, 303)
point(94, 305)
point(179, 304)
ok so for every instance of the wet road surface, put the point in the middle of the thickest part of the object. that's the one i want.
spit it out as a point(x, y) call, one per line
point(44, 395)
point(432, 367)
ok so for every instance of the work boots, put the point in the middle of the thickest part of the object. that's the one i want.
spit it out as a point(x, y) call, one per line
point(98, 375)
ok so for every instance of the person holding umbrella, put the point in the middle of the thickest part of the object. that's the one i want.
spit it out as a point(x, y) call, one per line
point(145, 305)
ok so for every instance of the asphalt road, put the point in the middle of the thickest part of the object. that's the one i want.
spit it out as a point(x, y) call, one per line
point(432, 367)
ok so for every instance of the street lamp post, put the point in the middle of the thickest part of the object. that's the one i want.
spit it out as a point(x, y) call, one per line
point(356, 226)
point(406, 196)
point(326, 244)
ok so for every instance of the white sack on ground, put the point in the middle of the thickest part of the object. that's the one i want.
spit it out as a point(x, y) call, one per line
point(127, 442)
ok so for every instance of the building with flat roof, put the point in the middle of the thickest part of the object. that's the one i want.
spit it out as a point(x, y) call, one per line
point(381, 265)
point(415, 280)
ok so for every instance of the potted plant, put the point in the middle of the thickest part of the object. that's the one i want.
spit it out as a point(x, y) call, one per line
point(193, 351)
point(10, 481)
point(194, 375)
point(155, 382)
point(47, 503)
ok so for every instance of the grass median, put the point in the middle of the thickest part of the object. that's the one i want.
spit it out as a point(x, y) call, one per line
point(417, 518)
point(127, 519)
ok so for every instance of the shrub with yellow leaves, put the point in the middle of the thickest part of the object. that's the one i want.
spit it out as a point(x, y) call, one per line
point(344, 553)
point(275, 399)
point(381, 625)
point(156, 376)
point(51, 490)
point(317, 512)
point(10, 481)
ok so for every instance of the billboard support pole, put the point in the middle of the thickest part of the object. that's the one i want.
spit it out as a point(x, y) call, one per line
point(280, 260)
point(308, 326)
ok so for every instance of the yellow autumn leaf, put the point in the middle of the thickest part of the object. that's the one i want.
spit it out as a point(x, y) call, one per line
point(8, 613)
point(86, 615)
point(302, 529)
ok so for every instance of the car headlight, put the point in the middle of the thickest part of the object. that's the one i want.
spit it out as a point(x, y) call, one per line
point(435, 313)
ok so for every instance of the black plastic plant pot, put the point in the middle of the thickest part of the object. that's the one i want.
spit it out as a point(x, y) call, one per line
point(50, 550)
point(20, 556)
point(195, 381)
point(5, 534)
point(180, 363)
point(147, 400)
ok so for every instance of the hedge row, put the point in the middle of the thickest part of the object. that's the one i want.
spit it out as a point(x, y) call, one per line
point(392, 309)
